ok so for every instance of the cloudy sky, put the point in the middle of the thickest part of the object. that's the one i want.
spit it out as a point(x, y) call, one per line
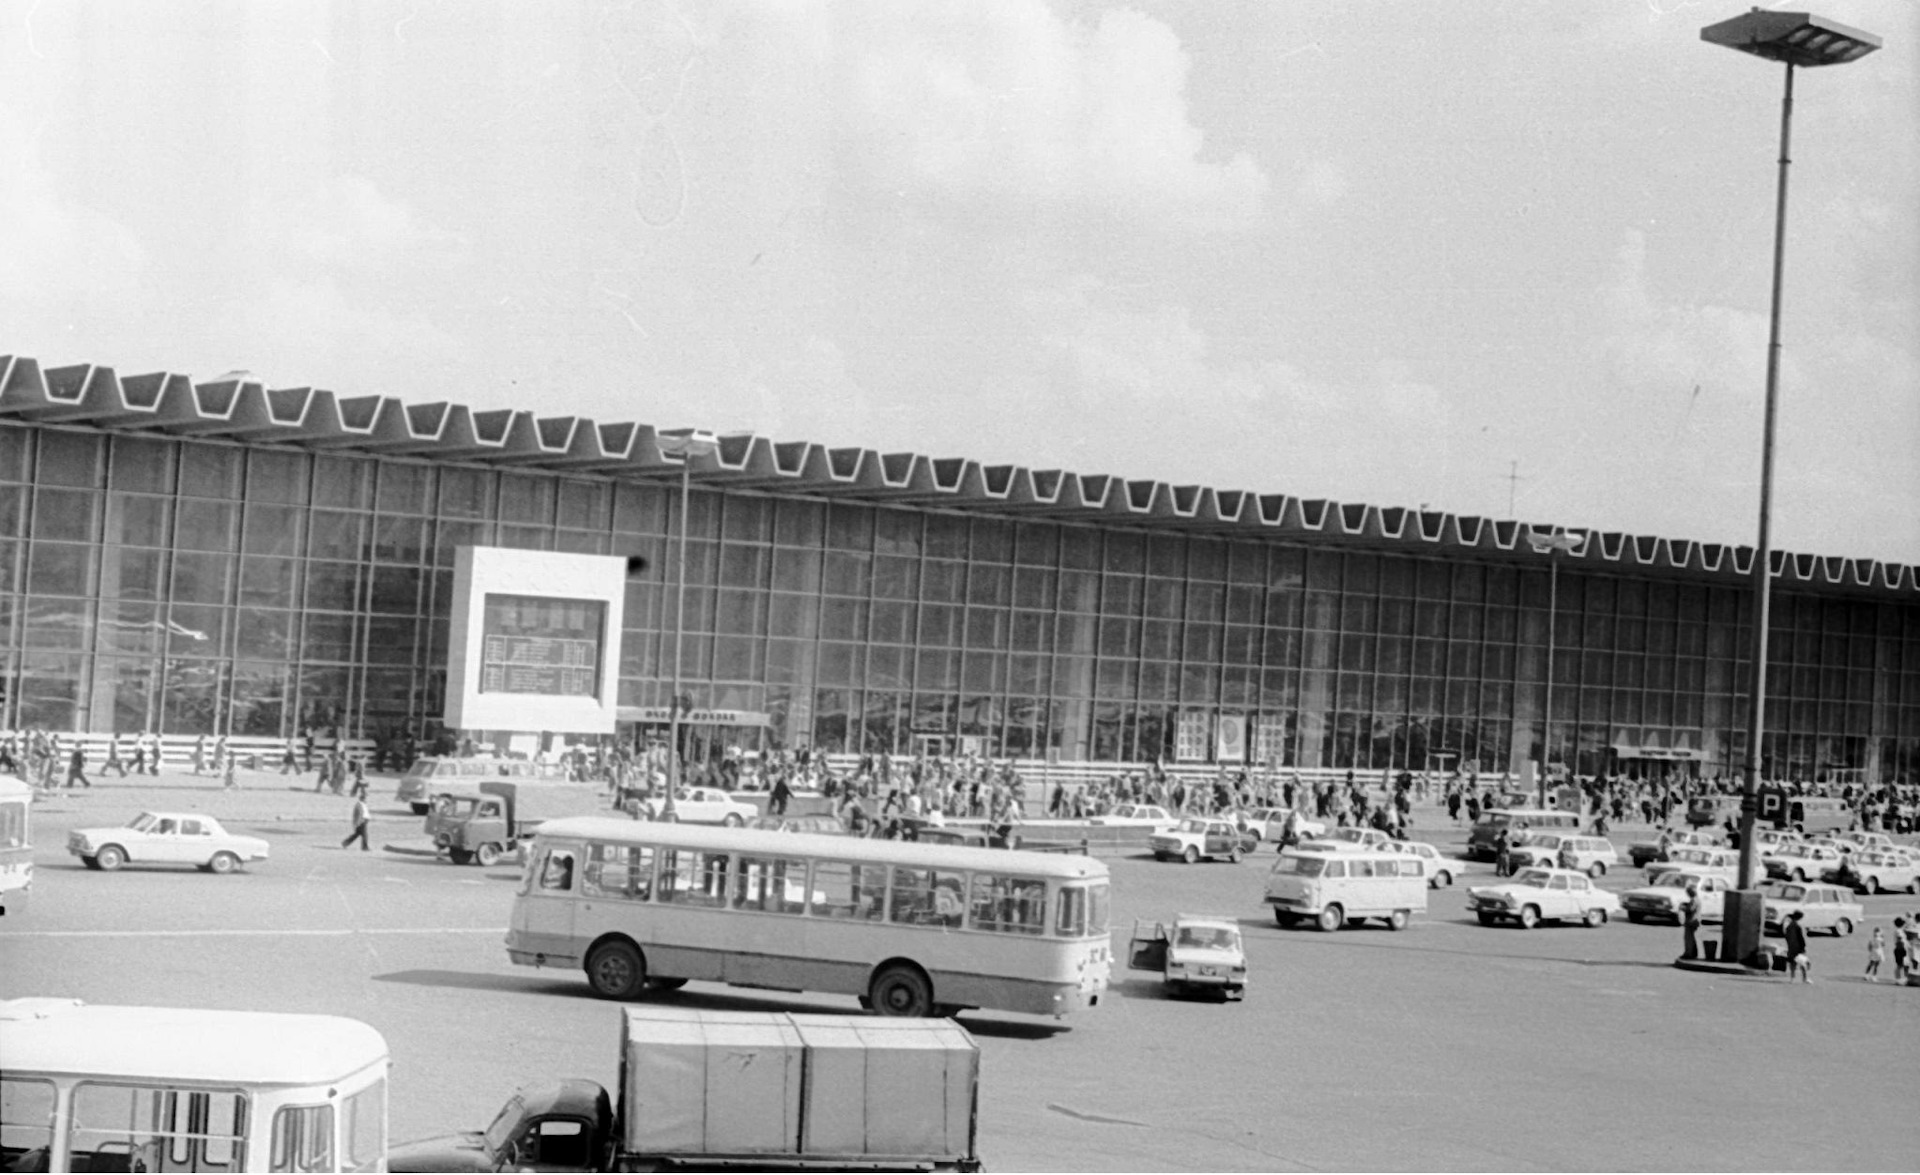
point(1467, 255)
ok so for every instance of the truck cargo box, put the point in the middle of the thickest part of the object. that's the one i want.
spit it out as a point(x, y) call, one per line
point(773, 1083)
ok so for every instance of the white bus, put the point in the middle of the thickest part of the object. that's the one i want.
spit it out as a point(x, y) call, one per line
point(16, 842)
point(88, 1088)
point(912, 929)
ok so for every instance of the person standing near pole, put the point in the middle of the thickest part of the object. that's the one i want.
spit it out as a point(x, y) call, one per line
point(1690, 923)
point(229, 772)
point(362, 817)
point(1798, 962)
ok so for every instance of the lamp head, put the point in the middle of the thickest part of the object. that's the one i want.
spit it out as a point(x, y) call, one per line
point(1797, 38)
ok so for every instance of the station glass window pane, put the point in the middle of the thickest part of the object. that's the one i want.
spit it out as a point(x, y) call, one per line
point(1166, 598)
point(943, 582)
point(61, 569)
point(68, 515)
point(201, 525)
point(526, 498)
point(143, 464)
point(1036, 544)
point(347, 482)
point(273, 530)
point(850, 528)
point(1080, 548)
point(642, 509)
point(992, 541)
point(896, 578)
point(210, 471)
point(69, 459)
point(277, 475)
point(466, 493)
point(1126, 552)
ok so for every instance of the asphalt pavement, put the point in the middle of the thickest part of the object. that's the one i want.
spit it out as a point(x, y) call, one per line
point(1449, 1046)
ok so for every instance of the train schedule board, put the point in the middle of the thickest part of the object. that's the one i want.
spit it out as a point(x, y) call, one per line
point(535, 641)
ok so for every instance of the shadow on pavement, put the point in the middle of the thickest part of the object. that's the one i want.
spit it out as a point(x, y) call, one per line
point(480, 981)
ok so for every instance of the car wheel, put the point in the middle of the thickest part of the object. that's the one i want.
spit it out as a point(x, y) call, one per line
point(1913, 886)
point(1636, 917)
point(1596, 918)
point(1282, 918)
point(1233, 855)
point(1843, 928)
point(1529, 917)
point(732, 821)
point(488, 855)
point(460, 856)
point(901, 990)
point(1597, 870)
point(1871, 885)
point(1487, 919)
point(1442, 880)
point(420, 809)
point(1398, 920)
point(1332, 918)
point(1191, 856)
point(111, 857)
point(223, 863)
point(617, 971)
point(1799, 874)
point(665, 983)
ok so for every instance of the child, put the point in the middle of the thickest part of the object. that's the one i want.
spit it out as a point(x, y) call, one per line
point(1876, 951)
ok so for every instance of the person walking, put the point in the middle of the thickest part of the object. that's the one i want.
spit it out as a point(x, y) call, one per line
point(1690, 923)
point(1798, 962)
point(77, 767)
point(1900, 950)
point(289, 758)
point(114, 761)
point(200, 755)
point(1502, 854)
point(149, 746)
point(1876, 951)
point(229, 772)
point(362, 816)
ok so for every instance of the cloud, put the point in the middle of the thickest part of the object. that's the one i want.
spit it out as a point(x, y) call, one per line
point(1002, 102)
point(54, 247)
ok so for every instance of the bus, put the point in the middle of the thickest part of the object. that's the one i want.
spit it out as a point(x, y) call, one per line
point(911, 929)
point(103, 1088)
point(1817, 815)
point(16, 842)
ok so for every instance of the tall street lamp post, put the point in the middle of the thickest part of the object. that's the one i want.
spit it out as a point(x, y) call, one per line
point(1794, 39)
point(686, 446)
point(1549, 544)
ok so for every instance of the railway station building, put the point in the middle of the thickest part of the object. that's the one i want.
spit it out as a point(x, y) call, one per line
point(223, 557)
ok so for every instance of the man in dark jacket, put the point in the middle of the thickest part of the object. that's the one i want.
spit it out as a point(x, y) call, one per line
point(1797, 961)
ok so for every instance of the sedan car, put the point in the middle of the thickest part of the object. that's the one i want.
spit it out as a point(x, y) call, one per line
point(1201, 954)
point(1271, 824)
point(1441, 869)
point(1543, 895)
point(174, 838)
point(1698, 859)
point(1646, 852)
point(1822, 907)
point(1194, 838)
point(1877, 871)
point(1668, 894)
point(703, 805)
point(1136, 816)
point(1804, 862)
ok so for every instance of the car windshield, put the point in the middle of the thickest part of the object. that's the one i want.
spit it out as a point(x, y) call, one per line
point(1207, 938)
point(1301, 866)
point(501, 1131)
point(1672, 881)
point(143, 822)
point(1534, 877)
point(1352, 835)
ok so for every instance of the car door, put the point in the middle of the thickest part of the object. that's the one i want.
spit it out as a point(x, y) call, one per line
point(196, 841)
point(162, 842)
point(1147, 951)
point(1713, 899)
point(1557, 901)
point(1219, 839)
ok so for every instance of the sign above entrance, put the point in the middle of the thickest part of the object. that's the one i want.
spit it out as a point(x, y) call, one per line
point(696, 717)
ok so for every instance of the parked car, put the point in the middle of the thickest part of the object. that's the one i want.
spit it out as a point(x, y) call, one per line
point(703, 805)
point(1543, 895)
point(1441, 869)
point(1804, 862)
point(1822, 907)
point(1200, 954)
point(1865, 840)
point(1197, 837)
point(1592, 855)
point(1871, 871)
point(1645, 852)
point(1271, 824)
point(1348, 840)
point(174, 838)
point(1668, 893)
point(1149, 816)
point(1773, 840)
point(1699, 859)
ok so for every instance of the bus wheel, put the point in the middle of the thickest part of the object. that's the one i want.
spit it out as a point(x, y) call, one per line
point(1398, 920)
point(900, 990)
point(460, 856)
point(616, 971)
point(488, 855)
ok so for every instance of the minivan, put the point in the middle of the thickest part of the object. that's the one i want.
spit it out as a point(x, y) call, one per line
point(1482, 840)
point(1335, 889)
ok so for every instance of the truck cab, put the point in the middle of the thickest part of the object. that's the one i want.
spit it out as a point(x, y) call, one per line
point(504, 815)
point(564, 1126)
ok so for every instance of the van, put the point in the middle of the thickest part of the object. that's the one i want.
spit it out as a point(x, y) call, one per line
point(1335, 889)
point(430, 776)
point(1814, 815)
point(1482, 841)
point(1708, 811)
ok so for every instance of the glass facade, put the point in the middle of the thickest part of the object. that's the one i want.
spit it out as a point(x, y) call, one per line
point(203, 587)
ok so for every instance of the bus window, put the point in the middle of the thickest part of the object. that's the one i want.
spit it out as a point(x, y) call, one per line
point(557, 873)
point(366, 1128)
point(771, 885)
point(303, 1138)
point(619, 871)
point(26, 1123)
point(142, 1128)
point(845, 890)
point(13, 826)
point(927, 897)
point(1083, 911)
point(692, 878)
point(1009, 905)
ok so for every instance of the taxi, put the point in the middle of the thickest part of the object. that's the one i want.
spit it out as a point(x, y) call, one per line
point(1199, 955)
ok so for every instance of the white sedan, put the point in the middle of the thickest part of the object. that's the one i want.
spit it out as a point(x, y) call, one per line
point(175, 838)
point(1667, 896)
point(703, 805)
point(1150, 816)
point(1880, 871)
point(1271, 824)
point(1542, 895)
point(1441, 869)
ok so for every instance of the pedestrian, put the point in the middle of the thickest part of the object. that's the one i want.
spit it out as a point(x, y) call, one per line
point(362, 816)
point(1502, 855)
point(1690, 923)
point(289, 758)
point(1900, 950)
point(200, 755)
point(229, 774)
point(140, 754)
point(1876, 951)
point(782, 794)
point(1798, 962)
point(359, 779)
point(77, 767)
point(151, 743)
point(320, 777)
point(114, 761)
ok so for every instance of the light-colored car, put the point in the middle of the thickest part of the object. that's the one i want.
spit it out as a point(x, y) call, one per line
point(1136, 816)
point(1646, 852)
point(1668, 894)
point(1197, 837)
point(1441, 869)
point(1698, 859)
point(1768, 841)
point(1348, 840)
point(1822, 907)
point(1804, 862)
point(1863, 840)
point(1592, 855)
point(1872, 871)
point(172, 838)
point(1200, 954)
point(1543, 895)
point(1271, 824)
point(703, 805)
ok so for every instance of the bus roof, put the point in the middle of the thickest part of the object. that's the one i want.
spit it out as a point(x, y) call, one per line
point(70, 1038)
point(813, 844)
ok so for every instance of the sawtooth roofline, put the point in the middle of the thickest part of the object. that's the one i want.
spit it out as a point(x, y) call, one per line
point(241, 409)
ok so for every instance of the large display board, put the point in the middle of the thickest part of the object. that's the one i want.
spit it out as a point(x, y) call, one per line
point(535, 641)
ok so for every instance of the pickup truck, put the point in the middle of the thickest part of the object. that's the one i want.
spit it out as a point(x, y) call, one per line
point(761, 1091)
